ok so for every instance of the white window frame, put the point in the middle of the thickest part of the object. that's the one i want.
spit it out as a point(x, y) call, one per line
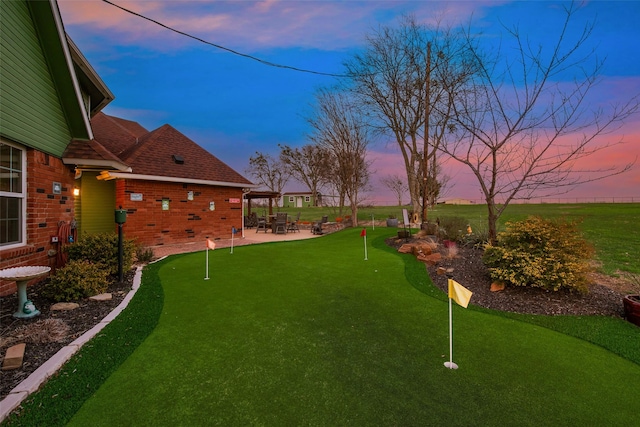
point(22, 195)
point(307, 199)
point(291, 199)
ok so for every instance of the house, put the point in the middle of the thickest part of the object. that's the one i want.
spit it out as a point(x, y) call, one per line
point(173, 190)
point(300, 199)
point(45, 102)
point(65, 167)
point(458, 201)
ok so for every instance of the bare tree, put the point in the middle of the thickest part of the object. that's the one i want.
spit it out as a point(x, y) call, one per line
point(399, 82)
point(338, 127)
point(268, 172)
point(310, 165)
point(524, 122)
point(396, 185)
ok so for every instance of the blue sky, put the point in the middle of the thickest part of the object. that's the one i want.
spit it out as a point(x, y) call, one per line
point(233, 106)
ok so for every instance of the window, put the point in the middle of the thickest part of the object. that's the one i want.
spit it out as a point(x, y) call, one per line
point(12, 195)
point(290, 199)
point(307, 199)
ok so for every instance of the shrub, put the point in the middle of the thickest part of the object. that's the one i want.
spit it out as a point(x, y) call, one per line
point(452, 228)
point(76, 280)
point(103, 249)
point(144, 254)
point(478, 237)
point(536, 252)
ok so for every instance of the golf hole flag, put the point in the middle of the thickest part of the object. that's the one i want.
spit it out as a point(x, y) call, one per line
point(363, 234)
point(210, 245)
point(459, 293)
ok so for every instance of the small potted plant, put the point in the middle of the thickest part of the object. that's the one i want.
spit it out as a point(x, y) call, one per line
point(392, 221)
point(632, 303)
point(632, 308)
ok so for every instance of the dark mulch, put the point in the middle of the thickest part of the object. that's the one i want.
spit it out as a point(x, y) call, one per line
point(79, 321)
point(469, 271)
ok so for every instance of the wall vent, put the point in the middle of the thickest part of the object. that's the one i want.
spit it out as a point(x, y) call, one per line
point(178, 160)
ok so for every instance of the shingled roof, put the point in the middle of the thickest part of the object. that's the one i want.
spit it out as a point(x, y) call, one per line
point(116, 134)
point(167, 152)
point(92, 154)
point(164, 154)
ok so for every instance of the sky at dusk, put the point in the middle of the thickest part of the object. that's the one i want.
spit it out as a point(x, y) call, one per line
point(234, 106)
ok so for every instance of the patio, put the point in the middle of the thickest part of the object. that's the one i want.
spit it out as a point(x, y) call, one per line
point(251, 238)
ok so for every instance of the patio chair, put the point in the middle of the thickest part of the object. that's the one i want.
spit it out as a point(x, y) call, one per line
point(281, 223)
point(262, 224)
point(251, 220)
point(293, 225)
point(316, 227)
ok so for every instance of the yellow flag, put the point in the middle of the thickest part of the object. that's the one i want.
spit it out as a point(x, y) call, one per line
point(459, 293)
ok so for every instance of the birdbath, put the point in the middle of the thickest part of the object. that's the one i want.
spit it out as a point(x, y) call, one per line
point(22, 276)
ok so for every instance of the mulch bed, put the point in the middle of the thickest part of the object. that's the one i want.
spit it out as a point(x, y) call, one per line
point(78, 321)
point(470, 272)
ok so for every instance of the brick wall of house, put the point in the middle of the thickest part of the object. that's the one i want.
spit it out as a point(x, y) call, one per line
point(185, 220)
point(44, 212)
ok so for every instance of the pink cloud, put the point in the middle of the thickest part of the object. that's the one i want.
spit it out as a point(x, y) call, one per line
point(388, 161)
point(248, 24)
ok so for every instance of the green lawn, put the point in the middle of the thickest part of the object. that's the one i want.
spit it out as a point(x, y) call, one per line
point(308, 333)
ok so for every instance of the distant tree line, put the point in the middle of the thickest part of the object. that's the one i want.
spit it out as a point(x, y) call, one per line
point(517, 114)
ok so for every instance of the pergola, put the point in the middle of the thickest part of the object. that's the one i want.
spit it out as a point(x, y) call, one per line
point(261, 195)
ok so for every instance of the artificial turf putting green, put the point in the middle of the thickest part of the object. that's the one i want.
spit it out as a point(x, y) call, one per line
point(308, 332)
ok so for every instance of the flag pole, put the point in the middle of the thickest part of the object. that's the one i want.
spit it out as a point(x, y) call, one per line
point(365, 248)
point(450, 363)
point(373, 222)
point(233, 232)
point(363, 233)
point(206, 277)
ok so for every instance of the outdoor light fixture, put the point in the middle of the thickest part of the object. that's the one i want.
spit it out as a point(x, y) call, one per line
point(76, 191)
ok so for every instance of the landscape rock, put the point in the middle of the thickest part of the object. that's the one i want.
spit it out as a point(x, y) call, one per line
point(422, 250)
point(497, 286)
point(432, 259)
point(13, 357)
point(64, 306)
point(101, 297)
point(407, 248)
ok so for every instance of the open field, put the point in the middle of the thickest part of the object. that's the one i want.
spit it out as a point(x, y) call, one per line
point(613, 228)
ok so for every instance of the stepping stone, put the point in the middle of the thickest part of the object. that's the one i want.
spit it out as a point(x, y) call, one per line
point(63, 306)
point(101, 297)
point(13, 357)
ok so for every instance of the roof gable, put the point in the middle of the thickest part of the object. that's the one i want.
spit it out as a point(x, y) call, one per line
point(155, 155)
point(42, 104)
point(48, 21)
point(92, 154)
point(116, 135)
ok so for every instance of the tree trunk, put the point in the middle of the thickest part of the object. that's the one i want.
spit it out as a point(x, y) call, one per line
point(492, 221)
point(414, 192)
point(354, 214)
